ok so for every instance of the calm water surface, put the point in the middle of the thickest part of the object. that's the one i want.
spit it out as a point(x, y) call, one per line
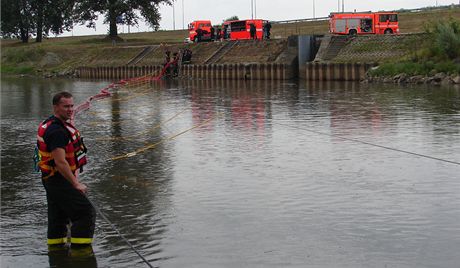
point(264, 180)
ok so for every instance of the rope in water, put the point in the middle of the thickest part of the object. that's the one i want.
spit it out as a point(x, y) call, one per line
point(153, 145)
point(372, 144)
point(146, 131)
point(105, 93)
point(118, 232)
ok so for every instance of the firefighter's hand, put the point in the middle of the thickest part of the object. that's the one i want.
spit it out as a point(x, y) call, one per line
point(81, 187)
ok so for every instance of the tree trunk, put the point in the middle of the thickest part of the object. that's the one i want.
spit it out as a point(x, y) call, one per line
point(113, 32)
point(113, 27)
point(24, 35)
point(39, 22)
point(23, 26)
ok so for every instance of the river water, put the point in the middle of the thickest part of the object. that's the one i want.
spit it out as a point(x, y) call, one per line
point(246, 174)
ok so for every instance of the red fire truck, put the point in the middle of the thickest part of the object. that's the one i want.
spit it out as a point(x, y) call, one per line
point(200, 25)
point(364, 23)
point(240, 29)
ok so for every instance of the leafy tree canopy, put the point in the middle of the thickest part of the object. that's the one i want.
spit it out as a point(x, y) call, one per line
point(119, 11)
point(232, 18)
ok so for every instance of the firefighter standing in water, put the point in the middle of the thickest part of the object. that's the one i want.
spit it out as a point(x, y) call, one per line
point(62, 156)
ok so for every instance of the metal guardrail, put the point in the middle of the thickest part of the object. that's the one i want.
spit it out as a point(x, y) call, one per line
point(414, 10)
point(299, 20)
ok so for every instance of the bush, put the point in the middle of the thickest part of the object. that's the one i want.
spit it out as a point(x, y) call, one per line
point(29, 54)
point(446, 39)
point(416, 68)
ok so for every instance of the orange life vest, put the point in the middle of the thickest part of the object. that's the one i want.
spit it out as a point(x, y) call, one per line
point(75, 150)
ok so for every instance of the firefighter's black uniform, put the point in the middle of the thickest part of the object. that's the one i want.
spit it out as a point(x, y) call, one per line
point(65, 203)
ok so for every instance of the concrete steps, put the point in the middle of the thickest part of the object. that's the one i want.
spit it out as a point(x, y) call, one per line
point(141, 55)
point(216, 56)
point(330, 47)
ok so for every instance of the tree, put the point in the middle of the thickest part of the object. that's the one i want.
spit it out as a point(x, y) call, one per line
point(16, 19)
point(232, 18)
point(119, 11)
point(55, 16)
point(28, 17)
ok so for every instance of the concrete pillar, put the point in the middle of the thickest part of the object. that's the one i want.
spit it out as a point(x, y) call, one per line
point(346, 72)
point(286, 70)
point(363, 67)
point(331, 71)
point(223, 70)
point(239, 71)
point(214, 72)
point(199, 71)
point(218, 71)
point(319, 71)
point(355, 71)
point(338, 71)
point(234, 71)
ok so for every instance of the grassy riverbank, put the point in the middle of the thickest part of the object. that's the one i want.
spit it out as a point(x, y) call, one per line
point(63, 54)
point(438, 52)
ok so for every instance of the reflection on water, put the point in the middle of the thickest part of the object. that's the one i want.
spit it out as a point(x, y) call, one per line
point(246, 174)
point(59, 256)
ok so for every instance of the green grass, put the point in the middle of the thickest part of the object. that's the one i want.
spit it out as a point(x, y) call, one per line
point(81, 50)
point(14, 70)
point(416, 68)
point(23, 54)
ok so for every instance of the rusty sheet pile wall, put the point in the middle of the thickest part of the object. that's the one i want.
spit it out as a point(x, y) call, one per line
point(316, 71)
point(257, 71)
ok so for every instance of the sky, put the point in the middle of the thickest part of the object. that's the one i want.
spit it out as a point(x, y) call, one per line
point(218, 10)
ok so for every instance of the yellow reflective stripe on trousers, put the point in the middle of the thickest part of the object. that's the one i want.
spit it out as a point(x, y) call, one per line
point(78, 240)
point(55, 241)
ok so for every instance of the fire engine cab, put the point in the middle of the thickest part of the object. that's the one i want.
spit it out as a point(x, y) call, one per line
point(364, 23)
point(200, 30)
point(241, 29)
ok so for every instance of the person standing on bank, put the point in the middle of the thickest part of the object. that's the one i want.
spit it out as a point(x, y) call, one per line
point(267, 27)
point(62, 156)
point(252, 31)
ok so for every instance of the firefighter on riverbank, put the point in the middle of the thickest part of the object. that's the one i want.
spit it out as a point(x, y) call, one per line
point(253, 31)
point(61, 155)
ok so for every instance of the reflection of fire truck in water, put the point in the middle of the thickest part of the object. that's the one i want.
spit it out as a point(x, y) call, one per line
point(241, 29)
point(200, 30)
point(364, 23)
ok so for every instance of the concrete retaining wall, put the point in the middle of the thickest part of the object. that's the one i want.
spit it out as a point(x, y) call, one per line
point(263, 71)
point(336, 71)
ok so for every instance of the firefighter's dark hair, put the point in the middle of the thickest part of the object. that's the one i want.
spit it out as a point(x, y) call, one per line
point(57, 98)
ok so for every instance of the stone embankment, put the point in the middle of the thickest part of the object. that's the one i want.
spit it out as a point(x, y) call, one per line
point(437, 79)
point(244, 59)
point(363, 54)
